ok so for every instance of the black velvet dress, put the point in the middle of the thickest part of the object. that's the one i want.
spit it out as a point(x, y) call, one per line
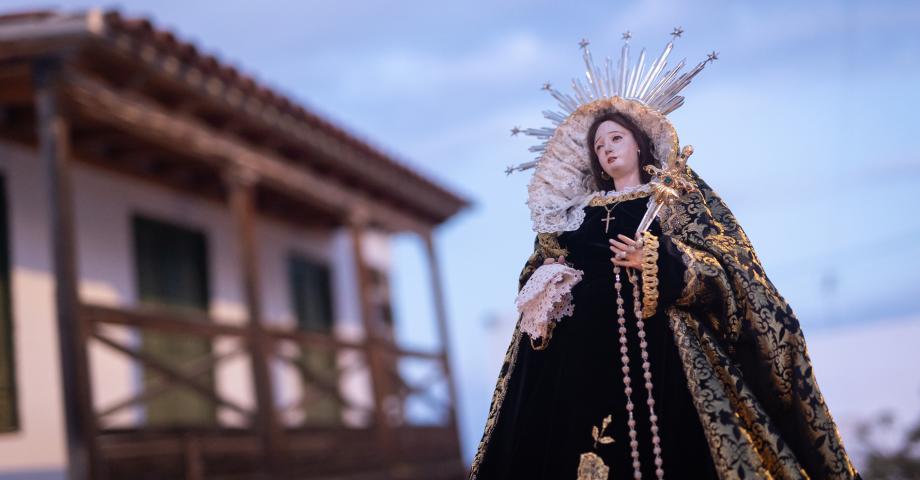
point(556, 395)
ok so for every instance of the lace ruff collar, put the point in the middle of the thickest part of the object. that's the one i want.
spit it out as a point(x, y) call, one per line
point(562, 183)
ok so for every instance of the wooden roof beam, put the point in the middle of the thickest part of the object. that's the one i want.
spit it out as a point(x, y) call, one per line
point(92, 98)
point(330, 150)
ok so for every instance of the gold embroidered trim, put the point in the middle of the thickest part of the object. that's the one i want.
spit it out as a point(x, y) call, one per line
point(549, 246)
point(649, 274)
point(542, 244)
point(498, 398)
point(600, 200)
point(592, 467)
point(544, 341)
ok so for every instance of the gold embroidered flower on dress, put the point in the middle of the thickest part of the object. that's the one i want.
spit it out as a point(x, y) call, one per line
point(591, 467)
point(598, 433)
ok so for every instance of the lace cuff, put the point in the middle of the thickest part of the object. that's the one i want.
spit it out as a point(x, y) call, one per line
point(546, 298)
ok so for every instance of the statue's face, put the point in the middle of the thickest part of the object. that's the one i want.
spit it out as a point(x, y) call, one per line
point(616, 149)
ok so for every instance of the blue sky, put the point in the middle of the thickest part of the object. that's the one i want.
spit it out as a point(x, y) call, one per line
point(805, 125)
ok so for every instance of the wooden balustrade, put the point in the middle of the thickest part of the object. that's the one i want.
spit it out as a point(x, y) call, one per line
point(216, 451)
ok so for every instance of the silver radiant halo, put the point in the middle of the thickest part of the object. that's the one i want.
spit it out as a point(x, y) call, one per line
point(649, 83)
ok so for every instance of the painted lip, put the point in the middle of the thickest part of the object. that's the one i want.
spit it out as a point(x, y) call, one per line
point(611, 159)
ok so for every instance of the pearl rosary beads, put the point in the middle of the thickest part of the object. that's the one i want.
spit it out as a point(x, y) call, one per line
point(647, 374)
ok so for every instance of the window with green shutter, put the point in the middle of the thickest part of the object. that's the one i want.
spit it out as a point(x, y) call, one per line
point(9, 414)
point(311, 293)
point(172, 276)
point(311, 299)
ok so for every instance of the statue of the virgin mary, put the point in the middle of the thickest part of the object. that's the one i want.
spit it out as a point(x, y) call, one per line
point(650, 343)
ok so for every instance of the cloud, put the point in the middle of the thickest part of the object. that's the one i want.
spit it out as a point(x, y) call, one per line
point(414, 73)
point(791, 25)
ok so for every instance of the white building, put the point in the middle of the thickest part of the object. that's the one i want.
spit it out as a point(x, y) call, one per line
point(193, 272)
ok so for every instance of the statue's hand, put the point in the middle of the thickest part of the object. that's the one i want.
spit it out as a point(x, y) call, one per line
point(626, 252)
point(548, 261)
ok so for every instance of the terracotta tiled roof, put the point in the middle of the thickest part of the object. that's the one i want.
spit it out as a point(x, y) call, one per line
point(145, 32)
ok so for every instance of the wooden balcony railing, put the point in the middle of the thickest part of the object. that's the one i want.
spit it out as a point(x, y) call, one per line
point(354, 442)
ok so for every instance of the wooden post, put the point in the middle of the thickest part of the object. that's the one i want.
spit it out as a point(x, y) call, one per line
point(54, 150)
point(372, 342)
point(194, 468)
point(240, 184)
point(441, 313)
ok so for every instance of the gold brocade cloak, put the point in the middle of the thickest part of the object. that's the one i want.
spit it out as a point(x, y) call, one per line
point(742, 351)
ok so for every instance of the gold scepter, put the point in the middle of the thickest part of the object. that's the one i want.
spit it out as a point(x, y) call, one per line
point(672, 181)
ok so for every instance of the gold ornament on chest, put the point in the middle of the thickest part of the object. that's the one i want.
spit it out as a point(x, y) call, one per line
point(610, 203)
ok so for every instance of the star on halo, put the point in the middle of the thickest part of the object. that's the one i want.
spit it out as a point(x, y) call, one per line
point(583, 43)
point(712, 56)
point(515, 130)
point(627, 35)
point(677, 32)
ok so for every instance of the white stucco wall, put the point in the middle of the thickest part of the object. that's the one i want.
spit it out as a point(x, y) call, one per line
point(104, 204)
point(39, 444)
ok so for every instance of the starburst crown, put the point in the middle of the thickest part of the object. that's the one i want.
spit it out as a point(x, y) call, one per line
point(647, 83)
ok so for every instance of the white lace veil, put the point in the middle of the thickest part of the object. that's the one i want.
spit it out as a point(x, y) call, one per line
point(562, 182)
